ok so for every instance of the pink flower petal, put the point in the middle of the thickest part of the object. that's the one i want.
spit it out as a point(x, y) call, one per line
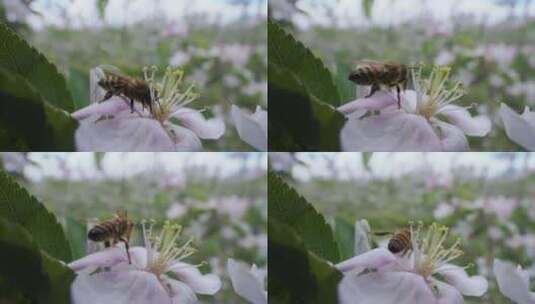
point(384, 288)
point(447, 294)
point(109, 107)
point(451, 137)
point(204, 128)
point(181, 293)
point(190, 275)
point(104, 258)
point(393, 131)
point(118, 287)
point(377, 101)
point(252, 128)
point(513, 282)
point(185, 139)
point(460, 117)
point(245, 283)
point(469, 286)
point(519, 128)
point(124, 132)
point(375, 259)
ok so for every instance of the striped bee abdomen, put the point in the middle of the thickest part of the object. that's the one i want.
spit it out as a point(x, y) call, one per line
point(400, 242)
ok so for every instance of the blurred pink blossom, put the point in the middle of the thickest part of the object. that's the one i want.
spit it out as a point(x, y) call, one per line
point(513, 282)
point(443, 210)
point(252, 128)
point(520, 128)
point(248, 282)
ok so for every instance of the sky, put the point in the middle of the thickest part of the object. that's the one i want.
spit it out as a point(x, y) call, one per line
point(392, 12)
point(350, 165)
point(119, 12)
point(81, 165)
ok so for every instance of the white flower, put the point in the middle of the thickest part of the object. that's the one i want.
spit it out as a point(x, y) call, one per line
point(248, 282)
point(252, 128)
point(179, 58)
point(111, 126)
point(157, 274)
point(513, 282)
point(443, 210)
point(237, 54)
point(520, 128)
point(379, 276)
point(418, 125)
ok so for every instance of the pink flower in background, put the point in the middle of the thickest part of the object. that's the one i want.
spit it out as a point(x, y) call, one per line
point(248, 282)
point(501, 53)
point(379, 276)
point(513, 282)
point(427, 120)
point(252, 128)
point(111, 126)
point(237, 54)
point(443, 210)
point(157, 274)
point(520, 128)
point(502, 206)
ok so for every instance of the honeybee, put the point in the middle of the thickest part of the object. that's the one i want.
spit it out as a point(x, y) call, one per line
point(400, 241)
point(114, 230)
point(117, 84)
point(377, 74)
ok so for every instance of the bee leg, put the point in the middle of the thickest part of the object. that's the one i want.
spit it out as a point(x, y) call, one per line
point(107, 244)
point(150, 107)
point(375, 88)
point(108, 95)
point(131, 105)
point(127, 246)
point(398, 89)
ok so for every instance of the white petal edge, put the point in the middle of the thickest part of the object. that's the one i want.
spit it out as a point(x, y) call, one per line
point(375, 258)
point(181, 293)
point(460, 117)
point(245, 283)
point(377, 101)
point(108, 107)
point(105, 258)
point(469, 286)
point(203, 284)
point(252, 128)
point(184, 139)
point(513, 282)
point(192, 119)
point(519, 128)
point(452, 139)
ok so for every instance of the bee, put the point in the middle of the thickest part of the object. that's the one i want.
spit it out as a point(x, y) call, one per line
point(117, 84)
point(400, 241)
point(377, 74)
point(112, 231)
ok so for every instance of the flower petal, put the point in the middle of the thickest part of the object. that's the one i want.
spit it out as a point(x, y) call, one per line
point(251, 128)
point(377, 101)
point(468, 286)
point(108, 107)
point(195, 121)
point(124, 132)
point(460, 117)
point(245, 283)
point(451, 137)
point(375, 258)
point(97, 93)
point(105, 258)
point(203, 284)
point(185, 139)
point(447, 294)
point(118, 287)
point(384, 288)
point(393, 131)
point(519, 128)
point(181, 293)
point(513, 282)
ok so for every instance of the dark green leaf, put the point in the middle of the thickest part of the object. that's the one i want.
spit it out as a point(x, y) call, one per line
point(296, 275)
point(78, 84)
point(284, 50)
point(288, 207)
point(34, 275)
point(345, 238)
point(18, 57)
point(29, 124)
point(18, 206)
point(299, 121)
point(77, 235)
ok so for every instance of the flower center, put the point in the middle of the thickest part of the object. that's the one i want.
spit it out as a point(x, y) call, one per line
point(429, 250)
point(434, 92)
point(163, 249)
point(167, 94)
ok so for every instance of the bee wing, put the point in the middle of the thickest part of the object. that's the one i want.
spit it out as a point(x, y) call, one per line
point(111, 70)
point(97, 93)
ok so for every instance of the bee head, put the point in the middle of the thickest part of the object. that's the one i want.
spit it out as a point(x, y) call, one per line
point(394, 247)
point(97, 235)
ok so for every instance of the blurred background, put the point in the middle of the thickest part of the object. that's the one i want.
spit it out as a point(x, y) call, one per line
point(488, 43)
point(487, 199)
point(221, 45)
point(218, 198)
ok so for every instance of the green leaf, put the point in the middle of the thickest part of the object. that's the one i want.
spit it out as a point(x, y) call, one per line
point(284, 50)
point(18, 57)
point(367, 7)
point(29, 124)
point(295, 274)
point(34, 275)
point(77, 236)
point(366, 157)
point(344, 233)
point(18, 206)
point(102, 7)
point(299, 121)
point(78, 84)
point(288, 207)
